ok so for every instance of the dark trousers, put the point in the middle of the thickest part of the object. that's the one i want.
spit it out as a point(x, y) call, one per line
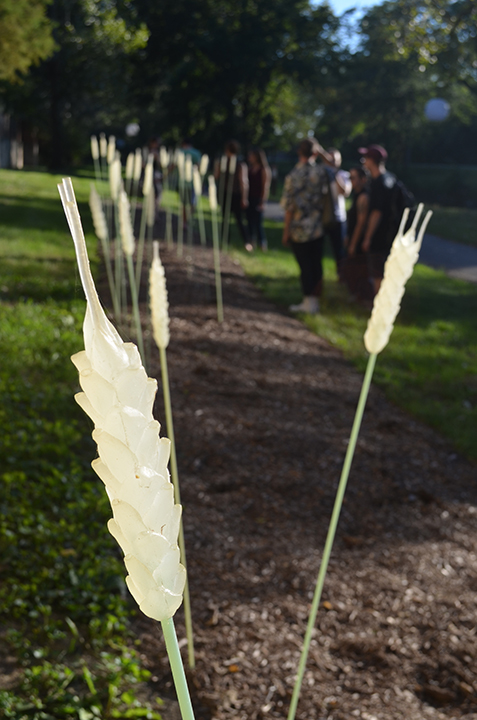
point(336, 232)
point(255, 223)
point(236, 208)
point(309, 256)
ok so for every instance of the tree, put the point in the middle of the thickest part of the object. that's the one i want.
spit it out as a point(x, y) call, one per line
point(84, 86)
point(408, 53)
point(25, 36)
point(218, 67)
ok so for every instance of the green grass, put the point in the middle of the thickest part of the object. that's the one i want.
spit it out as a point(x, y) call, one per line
point(63, 601)
point(429, 367)
point(457, 224)
point(34, 239)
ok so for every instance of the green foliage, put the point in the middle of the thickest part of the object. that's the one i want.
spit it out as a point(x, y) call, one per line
point(265, 71)
point(215, 69)
point(25, 36)
point(62, 591)
point(430, 365)
point(85, 84)
point(103, 688)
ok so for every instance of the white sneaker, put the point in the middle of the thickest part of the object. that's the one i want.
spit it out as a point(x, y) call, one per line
point(309, 304)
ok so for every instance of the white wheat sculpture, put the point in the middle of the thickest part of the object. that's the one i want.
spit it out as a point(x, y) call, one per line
point(118, 396)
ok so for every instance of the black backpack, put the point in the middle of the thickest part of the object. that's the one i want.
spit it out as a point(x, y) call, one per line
point(401, 199)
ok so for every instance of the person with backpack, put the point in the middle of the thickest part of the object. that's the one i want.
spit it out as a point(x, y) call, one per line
point(387, 199)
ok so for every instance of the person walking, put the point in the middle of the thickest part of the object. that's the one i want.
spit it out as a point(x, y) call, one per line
point(259, 178)
point(302, 200)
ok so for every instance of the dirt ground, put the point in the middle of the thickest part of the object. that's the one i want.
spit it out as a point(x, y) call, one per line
point(262, 412)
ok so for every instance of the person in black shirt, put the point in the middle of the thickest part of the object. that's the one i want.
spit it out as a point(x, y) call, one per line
point(355, 267)
point(379, 233)
point(357, 215)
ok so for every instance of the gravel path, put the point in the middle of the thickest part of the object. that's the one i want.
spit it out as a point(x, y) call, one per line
point(262, 412)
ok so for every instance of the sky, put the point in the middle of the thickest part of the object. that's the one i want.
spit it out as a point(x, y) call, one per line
point(339, 6)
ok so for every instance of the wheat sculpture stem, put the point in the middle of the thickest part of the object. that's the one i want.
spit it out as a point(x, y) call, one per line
point(135, 306)
point(218, 276)
point(231, 165)
point(175, 481)
point(180, 682)
point(331, 533)
point(169, 238)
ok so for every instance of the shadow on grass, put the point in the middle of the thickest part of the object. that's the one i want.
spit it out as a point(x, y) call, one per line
point(17, 211)
point(39, 280)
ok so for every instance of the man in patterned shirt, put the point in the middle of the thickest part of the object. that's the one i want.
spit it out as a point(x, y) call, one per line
point(302, 201)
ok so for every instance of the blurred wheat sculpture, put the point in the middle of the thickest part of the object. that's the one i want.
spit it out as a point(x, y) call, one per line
point(160, 329)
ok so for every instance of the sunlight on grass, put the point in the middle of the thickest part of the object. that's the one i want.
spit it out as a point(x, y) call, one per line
point(37, 255)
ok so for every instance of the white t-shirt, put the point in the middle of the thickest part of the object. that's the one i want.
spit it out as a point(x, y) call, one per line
point(340, 205)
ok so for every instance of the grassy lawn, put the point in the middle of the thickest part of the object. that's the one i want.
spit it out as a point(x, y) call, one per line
point(457, 224)
point(63, 607)
point(430, 365)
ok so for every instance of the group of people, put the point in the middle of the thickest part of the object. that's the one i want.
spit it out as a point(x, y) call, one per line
point(250, 188)
point(314, 203)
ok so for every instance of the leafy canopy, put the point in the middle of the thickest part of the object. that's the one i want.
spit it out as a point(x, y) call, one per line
point(25, 36)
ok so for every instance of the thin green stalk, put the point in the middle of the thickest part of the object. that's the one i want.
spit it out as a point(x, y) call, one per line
point(142, 238)
point(188, 209)
point(128, 186)
point(103, 164)
point(109, 273)
point(228, 204)
point(180, 219)
point(177, 495)
point(180, 682)
point(218, 277)
point(169, 239)
point(331, 533)
point(221, 190)
point(200, 215)
point(134, 201)
point(118, 267)
point(135, 306)
point(97, 171)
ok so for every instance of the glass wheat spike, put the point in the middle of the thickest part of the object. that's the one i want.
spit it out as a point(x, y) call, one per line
point(215, 239)
point(221, 188)
point(101, 229)
point(95, 156)
point(127, 239)
point(197, 181)
point(147, 198)
point(115, 186)
point(118, 396)
point(160, 330)
point(398, 269)
point(180, 163)
point(232, 165)
point(164, 159)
